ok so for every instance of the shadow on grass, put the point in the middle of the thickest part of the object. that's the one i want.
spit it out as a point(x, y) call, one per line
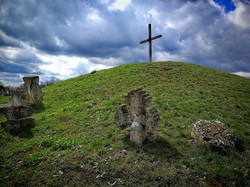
point(160, 148)
point(38, 109)
point(24, 132)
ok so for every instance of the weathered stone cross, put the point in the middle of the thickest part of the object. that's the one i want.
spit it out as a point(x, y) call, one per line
point(150, 41)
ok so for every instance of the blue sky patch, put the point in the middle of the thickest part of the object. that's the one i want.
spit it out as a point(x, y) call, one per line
point(227, 4)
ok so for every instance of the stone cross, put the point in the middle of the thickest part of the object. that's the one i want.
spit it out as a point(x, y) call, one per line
point(149, 40)
point(135, 115)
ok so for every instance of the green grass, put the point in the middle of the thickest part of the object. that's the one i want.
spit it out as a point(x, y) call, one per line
point(75, 140)
point(4, 99)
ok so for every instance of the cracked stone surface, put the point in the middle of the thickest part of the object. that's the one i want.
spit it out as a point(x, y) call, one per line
point(215, 135)
point(135, 115)
point(33, 90)
point(30, 95)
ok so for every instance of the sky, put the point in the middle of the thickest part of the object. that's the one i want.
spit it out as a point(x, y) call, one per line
point(68, 38)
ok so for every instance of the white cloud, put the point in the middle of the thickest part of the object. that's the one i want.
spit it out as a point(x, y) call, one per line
point(97, 67)
point(164, 56)
point(9, 52)
point(108, 62)
point(65, 67)
point(243, 74)
point(152, 15)
point(119, 5)
point(60, 42)
point(94, 16)
point(104, 1)
point(215, 4)
point(240, 16)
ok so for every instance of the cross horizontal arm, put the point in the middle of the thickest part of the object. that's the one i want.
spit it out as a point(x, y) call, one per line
point(144, 41)
point(155, 37)
point(150, 39)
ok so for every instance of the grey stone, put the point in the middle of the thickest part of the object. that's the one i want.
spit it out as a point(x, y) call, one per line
point(136, 126)
point(122, 117)
point(3, 107)
point(31, 94)
point(134, 114)
point(33, 90)
point(138, 137)
point(215, 135)
point(19, 111)
point(17, 117)
point(19, 98)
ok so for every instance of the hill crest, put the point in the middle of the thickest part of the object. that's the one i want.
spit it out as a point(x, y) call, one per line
point(75, 140)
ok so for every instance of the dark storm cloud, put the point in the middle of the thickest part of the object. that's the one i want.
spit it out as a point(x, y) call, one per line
point(23, 62)
point(35, 22)
point(61, 26)
point(102, 38)
point(6, 41)
point(10, 78)
point(204, 35)
point(35, 35)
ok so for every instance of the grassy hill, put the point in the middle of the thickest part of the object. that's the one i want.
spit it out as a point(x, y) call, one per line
point(75, 140)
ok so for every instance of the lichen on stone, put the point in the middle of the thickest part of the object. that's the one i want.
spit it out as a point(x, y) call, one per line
point(215, 135)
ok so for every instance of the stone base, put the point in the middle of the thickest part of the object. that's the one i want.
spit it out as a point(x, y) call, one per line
point(18, 117)
point(17, 125)
point(18, 112)
point(138, 137)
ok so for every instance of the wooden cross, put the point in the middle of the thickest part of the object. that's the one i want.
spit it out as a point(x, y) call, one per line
point(150, 41)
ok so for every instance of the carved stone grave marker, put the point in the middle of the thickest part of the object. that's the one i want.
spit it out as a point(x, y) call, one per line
point(30, 95)
point(135, 115)
point(33, 90)
point(19, 111)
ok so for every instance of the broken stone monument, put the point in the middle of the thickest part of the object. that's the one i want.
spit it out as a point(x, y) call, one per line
point(215, 135)
point(33, 90)
point(31, 94)
point(19, 111)
point(17, 117)
point(135, 115)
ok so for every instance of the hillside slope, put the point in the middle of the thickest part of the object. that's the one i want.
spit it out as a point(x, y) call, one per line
point(75, 140)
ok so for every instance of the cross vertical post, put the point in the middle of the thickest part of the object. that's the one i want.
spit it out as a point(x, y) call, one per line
point(150, 43)
point(149, 40)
